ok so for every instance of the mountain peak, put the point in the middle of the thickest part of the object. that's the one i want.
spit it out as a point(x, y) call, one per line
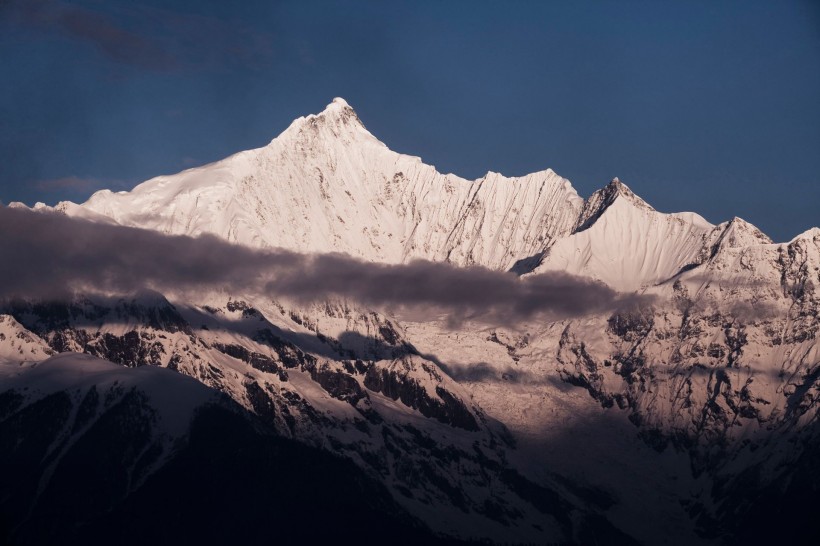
point(616, 188)
point(337, 120)
point(338, 107)
point(602, 199)
point(742, 230)
point(739, 223)
point(737, 233)
point(812, 234)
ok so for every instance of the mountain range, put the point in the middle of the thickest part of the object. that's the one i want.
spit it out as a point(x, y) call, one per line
point(688, 418)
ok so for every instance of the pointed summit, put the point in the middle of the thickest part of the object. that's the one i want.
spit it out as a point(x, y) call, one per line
point(602, 199)
point(339, 108)
point(337, 121)
point(736, 233)
point(728, 236)
point(749, 234)
point(616, 188)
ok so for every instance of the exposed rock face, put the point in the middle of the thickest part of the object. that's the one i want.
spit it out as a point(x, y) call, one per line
point(407, 379)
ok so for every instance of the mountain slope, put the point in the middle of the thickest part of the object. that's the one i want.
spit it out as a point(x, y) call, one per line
point(371, 399)
point(96, 453)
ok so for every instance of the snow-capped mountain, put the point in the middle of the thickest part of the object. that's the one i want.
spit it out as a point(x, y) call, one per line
point(678, 422)
point(326, 184)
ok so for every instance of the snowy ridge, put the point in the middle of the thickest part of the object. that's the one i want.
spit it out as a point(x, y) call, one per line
point(327, 184)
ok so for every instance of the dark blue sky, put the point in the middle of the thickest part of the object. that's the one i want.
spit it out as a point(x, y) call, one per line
point(706, 106)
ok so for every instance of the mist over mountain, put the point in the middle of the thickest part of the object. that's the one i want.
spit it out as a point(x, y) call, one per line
point(404, 355)
point(65, 255)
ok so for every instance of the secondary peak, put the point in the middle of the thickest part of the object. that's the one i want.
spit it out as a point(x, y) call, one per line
point(602, 199)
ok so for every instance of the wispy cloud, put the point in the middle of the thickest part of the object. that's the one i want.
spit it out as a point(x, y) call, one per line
point(113, 39)
point(188, 161)
point(99, 29)
point(49, 255)
point(149, 37)
point(77, 184)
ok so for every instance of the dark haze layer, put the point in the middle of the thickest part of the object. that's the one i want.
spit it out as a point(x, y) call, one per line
point(52, 256)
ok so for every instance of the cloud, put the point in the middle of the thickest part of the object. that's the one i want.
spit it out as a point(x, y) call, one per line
point(472, 293)
point(751, 308)
point(188, 161)
point(76, 184)
point(49, 255)
point(108, 35)
point(148, 37)
point(112, 39)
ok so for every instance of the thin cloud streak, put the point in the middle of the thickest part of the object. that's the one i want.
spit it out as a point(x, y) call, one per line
point(51, 256)
point(76, 184)
point(100, 30)
point(150, 38)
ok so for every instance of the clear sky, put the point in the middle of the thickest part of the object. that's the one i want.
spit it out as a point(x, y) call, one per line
point(706, 106)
